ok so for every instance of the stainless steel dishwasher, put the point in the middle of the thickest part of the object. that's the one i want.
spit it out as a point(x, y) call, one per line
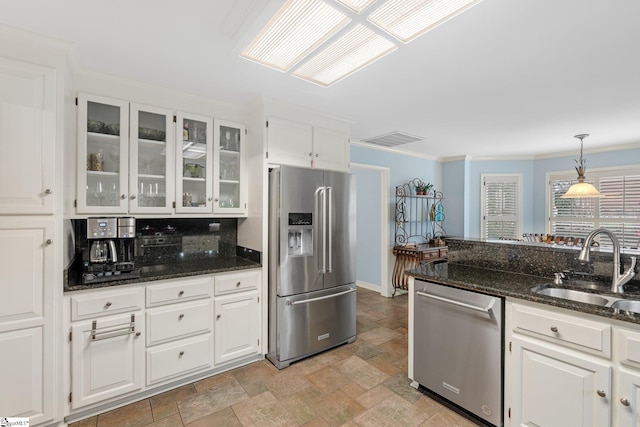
point(458, 348)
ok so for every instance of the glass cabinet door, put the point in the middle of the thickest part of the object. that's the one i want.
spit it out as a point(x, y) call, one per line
point(229, 185)
point(151, 179)
point(194, 161)
point(103, 125)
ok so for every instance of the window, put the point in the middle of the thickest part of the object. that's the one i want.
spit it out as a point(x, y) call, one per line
point(619, 211)
point(501, 207)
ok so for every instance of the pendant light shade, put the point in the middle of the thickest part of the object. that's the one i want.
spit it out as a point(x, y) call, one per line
point(581, 188)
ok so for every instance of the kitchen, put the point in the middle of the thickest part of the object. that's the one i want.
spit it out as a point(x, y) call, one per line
point(451, 176)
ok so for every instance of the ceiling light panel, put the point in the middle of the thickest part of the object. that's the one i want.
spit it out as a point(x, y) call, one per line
point(350, 53)
point(295, 30)
point(357, 5)
point(408, 19)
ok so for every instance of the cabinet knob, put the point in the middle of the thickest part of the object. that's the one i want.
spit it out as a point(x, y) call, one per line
point(181, 317)
point(48, 191)
point(180, 293)
point(238, 285)
point(49, 241)
point(138, 334)
point(181, 354)
point(216, 200)
point(210, 199)
point(554, 329)
point(108, 304)
point(218, 316)
point(133, 196)
point(310, 154)
point(124, 196)
point(317, 154)
point(601, 393)
point(625, 402)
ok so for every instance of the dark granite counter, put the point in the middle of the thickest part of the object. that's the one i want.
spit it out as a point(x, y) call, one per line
point(169, 270)
point(517, 285)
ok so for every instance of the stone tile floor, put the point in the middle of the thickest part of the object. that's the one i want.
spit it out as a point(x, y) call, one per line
point(360, 384)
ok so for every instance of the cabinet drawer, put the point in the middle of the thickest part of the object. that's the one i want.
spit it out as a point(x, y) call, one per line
point(179, 321)
point(179, 358)
point(105, 302)
point(237, 282)
point(628, 346)
point(444, 252)
point(178, 291)
point(564, 329)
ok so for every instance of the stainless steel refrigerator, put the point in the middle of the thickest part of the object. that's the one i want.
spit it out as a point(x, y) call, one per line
point(312, 240)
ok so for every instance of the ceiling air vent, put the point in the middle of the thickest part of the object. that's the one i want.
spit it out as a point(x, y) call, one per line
point(393, 139)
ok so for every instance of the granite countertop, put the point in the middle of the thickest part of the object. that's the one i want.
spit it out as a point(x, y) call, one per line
point(169, 270)
point(517, 285)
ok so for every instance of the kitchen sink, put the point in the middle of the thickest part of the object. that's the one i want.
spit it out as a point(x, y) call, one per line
point(628, 306)
point(577, 296)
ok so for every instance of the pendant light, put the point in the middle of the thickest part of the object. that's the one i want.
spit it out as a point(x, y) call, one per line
point(581, 188)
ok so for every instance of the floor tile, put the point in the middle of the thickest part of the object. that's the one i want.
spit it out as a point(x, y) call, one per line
point(263, 410)
point(328, 379)
point(136, 414)
point(211, 400)
point(172, 421)
point(379, 335)
point(392, 412)
point(337, 408)
point(361, 372)
point(223, 418)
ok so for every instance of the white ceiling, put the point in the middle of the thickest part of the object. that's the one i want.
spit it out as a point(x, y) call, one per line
point(505, 78)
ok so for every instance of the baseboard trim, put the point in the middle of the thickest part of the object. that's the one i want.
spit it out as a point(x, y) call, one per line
point(369, 286)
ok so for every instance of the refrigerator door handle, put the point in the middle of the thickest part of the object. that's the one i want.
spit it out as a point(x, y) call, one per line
point(329, 227)
point(307, 301)
point(320, 201)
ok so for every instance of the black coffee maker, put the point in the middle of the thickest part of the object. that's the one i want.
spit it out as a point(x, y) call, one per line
point(110, 249)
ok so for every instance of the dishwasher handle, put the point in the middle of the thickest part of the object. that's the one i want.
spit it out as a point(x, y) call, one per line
point(486, 310)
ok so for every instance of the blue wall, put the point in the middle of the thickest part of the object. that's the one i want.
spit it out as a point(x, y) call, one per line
point(402, 168)
point(454, 178)
point(368, 230)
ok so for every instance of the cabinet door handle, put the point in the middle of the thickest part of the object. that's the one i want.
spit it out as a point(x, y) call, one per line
point(138, 334)
point(625, 402)
point(48, 191)
point(601, 393)
point(133, 196)
point(216, 200)
point(181, 317)
point(124, 196)
point(238, 285)
point(554, 329)
point(181, 354)
point(180, 293)
point(108, 304)
point(49, 241)
point(218, 316)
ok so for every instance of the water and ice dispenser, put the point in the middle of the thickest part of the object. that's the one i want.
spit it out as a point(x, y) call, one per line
point(300, 234)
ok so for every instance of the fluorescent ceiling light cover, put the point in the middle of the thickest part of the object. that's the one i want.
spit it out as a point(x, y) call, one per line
point(408, 19)
point(350, 53)
point(357, 5)
point(295, 30)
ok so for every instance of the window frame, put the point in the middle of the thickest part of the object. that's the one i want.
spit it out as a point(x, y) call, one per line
point(593, 175)
point(511, 177)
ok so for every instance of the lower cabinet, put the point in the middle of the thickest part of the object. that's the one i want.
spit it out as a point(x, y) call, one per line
point(107, 358)
point(133, 339)
point(564, 368)
point(554, 388)
point(237, 326)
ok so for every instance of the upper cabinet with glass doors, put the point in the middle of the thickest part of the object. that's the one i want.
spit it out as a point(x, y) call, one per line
point(103, 156)
point(194, 163)
point(229, 183)
point(151, 148)
point(125, 158)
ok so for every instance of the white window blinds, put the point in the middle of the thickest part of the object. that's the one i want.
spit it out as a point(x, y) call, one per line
point(619, 211)
point(501, 207)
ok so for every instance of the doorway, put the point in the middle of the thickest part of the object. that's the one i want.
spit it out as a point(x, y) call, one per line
point(372, 228)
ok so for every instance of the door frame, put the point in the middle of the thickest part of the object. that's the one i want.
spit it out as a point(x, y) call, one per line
point(386, 287)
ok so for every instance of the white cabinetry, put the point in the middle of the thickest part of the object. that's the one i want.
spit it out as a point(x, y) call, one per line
point(125, 157)
point(229, 178)
point(299, 144)
point(559, 368)
point(27, 138)
point(237, 309)
point(179, 328)
point(626, 399)
point(26, 319)
point(107, 352)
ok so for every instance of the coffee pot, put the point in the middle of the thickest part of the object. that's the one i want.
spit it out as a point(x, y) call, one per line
point(103, 251)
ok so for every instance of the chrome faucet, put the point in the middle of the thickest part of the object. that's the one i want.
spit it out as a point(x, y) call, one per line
point(618, 280)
